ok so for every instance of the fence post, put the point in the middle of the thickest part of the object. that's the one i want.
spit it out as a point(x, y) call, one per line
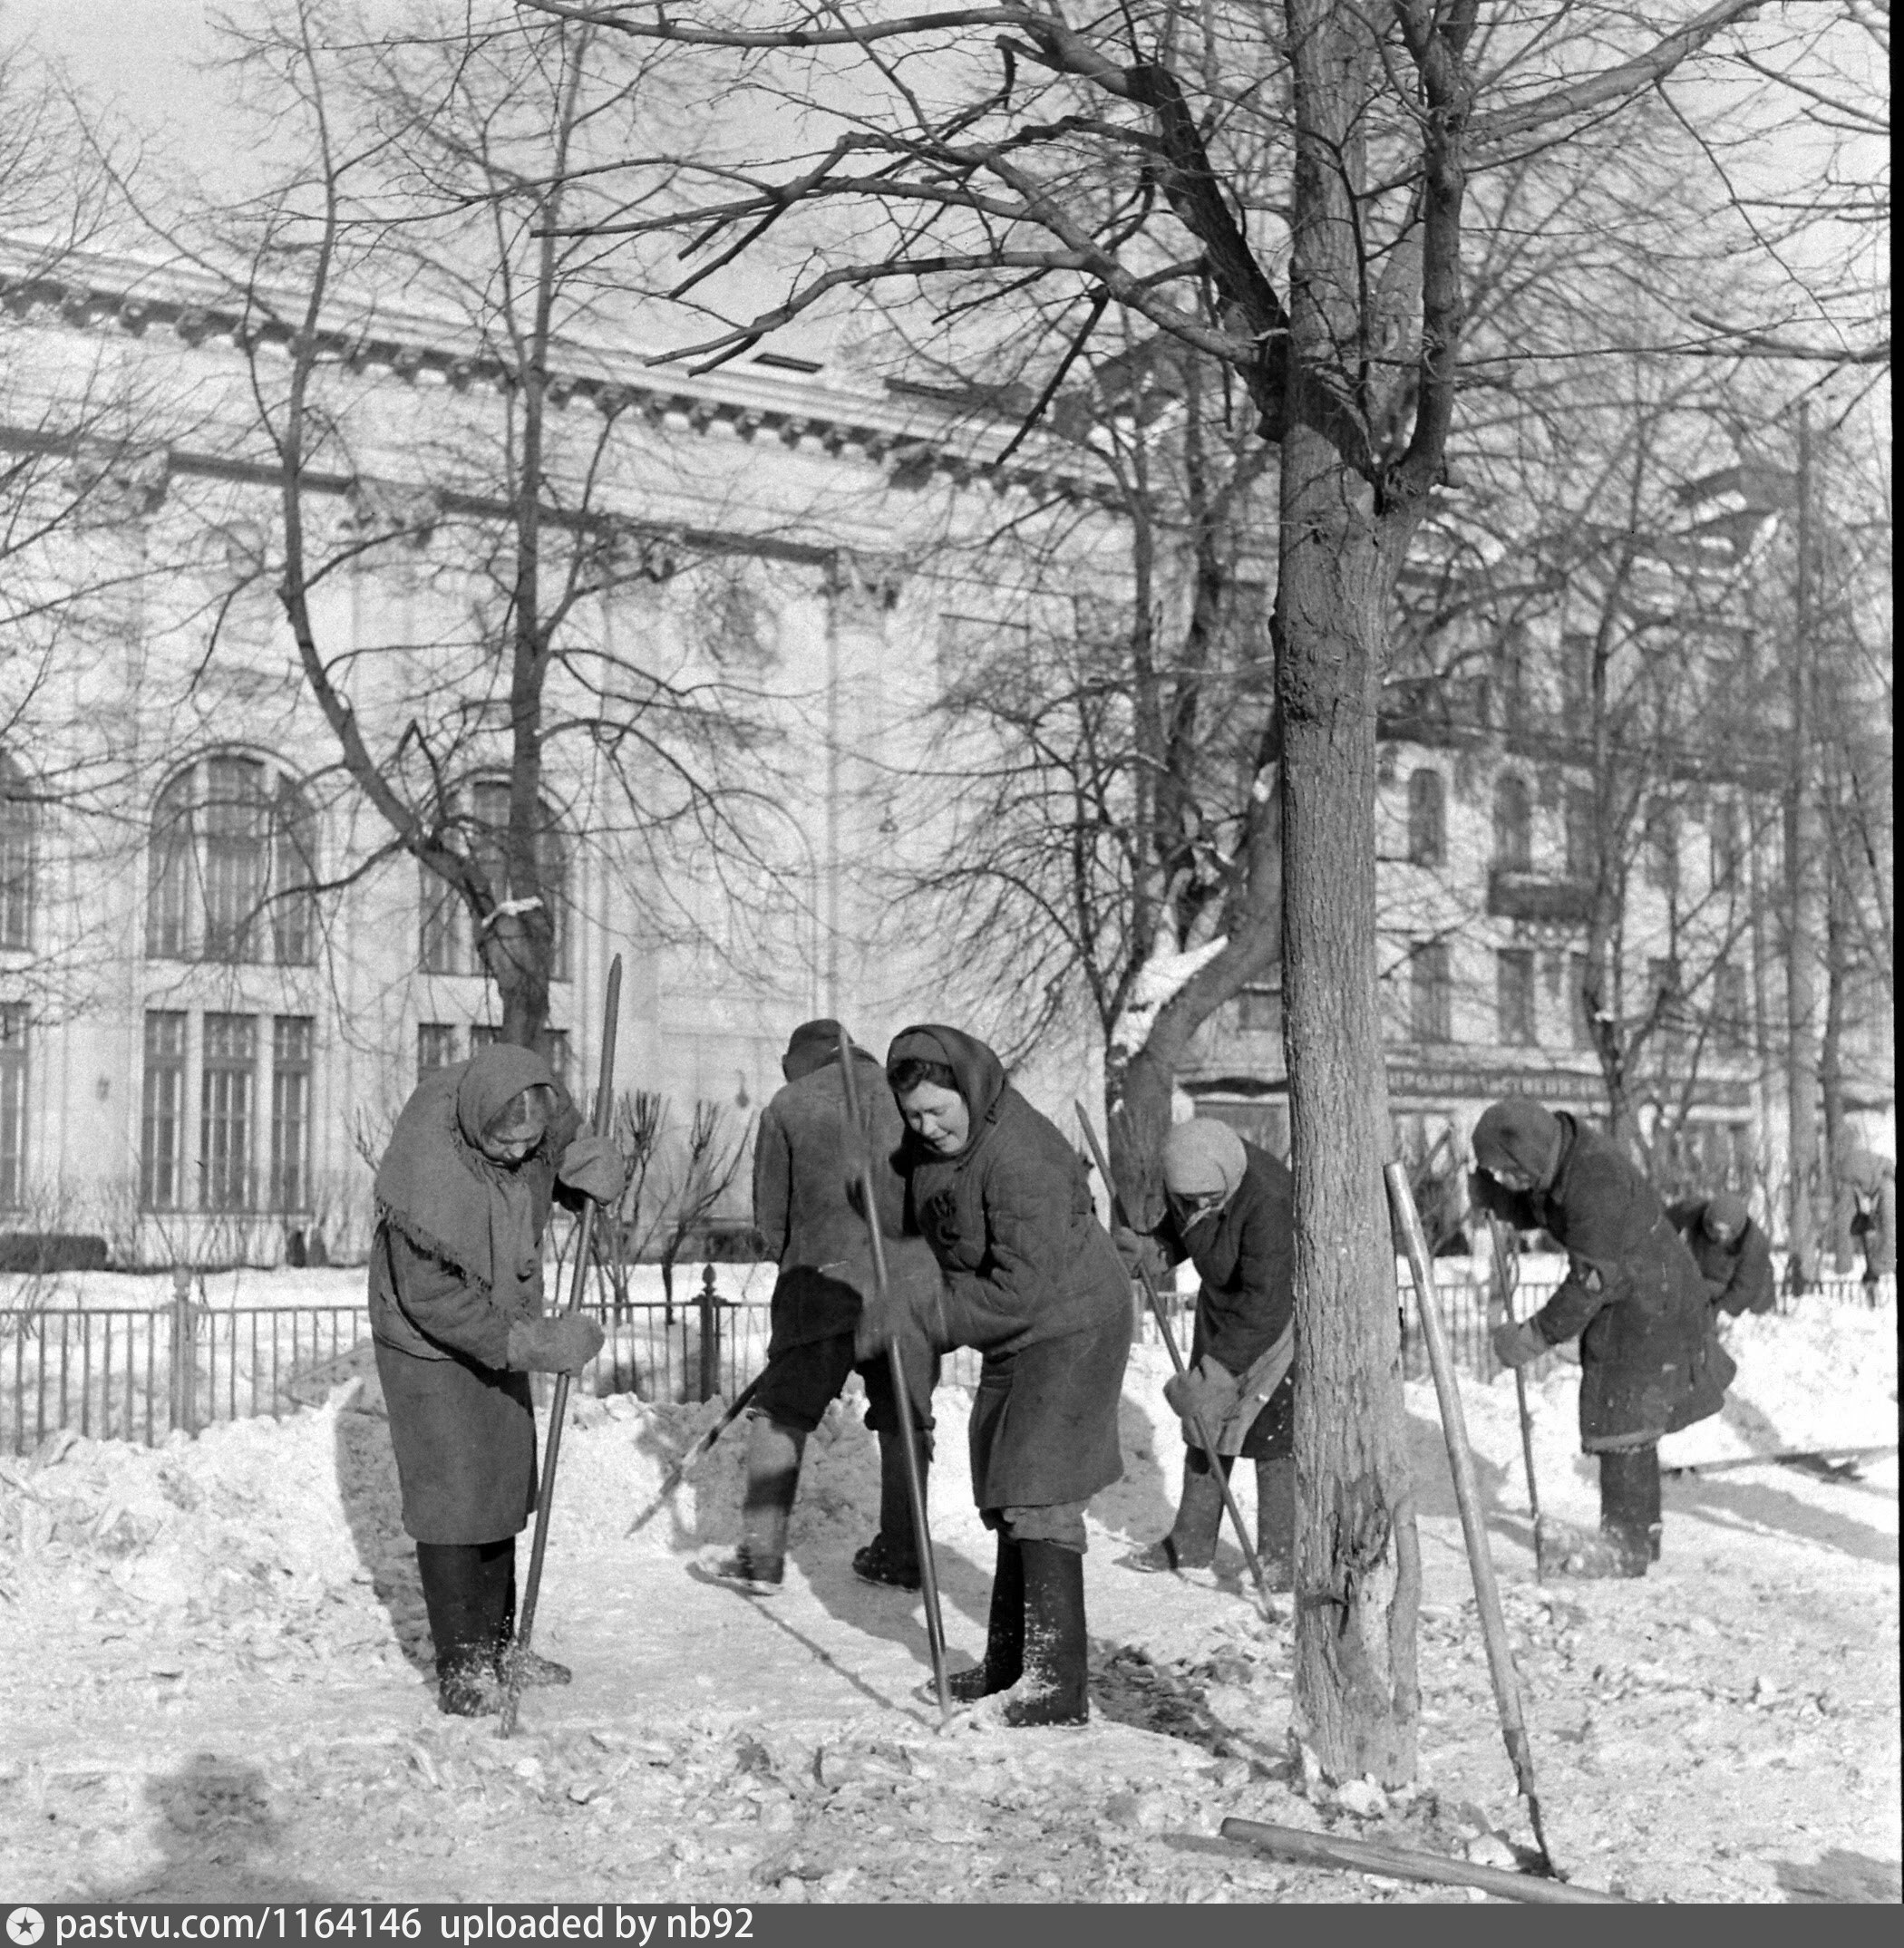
point(185, 1360)
point(710, 1306)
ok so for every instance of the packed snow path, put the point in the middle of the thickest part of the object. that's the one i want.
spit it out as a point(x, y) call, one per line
point(216, 1684)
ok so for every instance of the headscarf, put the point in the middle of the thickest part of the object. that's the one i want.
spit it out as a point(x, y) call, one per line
point(1865, 1171)
point(1727, 1213)
point(482, 1217)
point(1519, 1134)
point(1203, 1157)
point(977, 1071)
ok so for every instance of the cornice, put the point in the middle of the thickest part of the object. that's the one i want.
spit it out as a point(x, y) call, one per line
point(92, 292)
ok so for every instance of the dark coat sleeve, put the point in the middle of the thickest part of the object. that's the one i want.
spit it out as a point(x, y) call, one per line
point(1752, 1287)
point(445, 1306)
point(1248, 1304)
point(1593, 1229)
point(773, 1183)
point(1024, 1197)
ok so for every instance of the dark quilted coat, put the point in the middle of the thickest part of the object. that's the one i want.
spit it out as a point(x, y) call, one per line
point(1030, 1277)
point(441, 1303)
point(1245, 1256)
point(1649, 1361)
point(804, 1209)
point(1738, 1276)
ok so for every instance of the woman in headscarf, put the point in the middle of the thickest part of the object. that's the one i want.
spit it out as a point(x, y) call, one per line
point(1031, 1278)
point(1229, 1209)
point(1649, 1361)
point(462, 1197)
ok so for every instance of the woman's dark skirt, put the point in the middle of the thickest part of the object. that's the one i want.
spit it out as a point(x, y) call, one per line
point(465, 1441)
point(1044, 1420)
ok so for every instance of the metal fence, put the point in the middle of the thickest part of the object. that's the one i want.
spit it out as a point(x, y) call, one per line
point(133, 1375)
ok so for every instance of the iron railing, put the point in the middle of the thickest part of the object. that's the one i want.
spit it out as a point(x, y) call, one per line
point(124, 1374)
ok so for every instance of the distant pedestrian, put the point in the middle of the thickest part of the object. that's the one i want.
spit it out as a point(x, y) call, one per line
point(804, 1156)
point(462, 1197)
point(1650, 1362)
point(1229, 1208)
point(1872, 1181)
point(1733, 1252)
point(1032, 1280)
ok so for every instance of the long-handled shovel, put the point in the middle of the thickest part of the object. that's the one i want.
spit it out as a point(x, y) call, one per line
point(672, 1478)
point(1270, 1612)
point(558, 1406)
point(1504, 1277)
point(902, 1402)
point(1467, 1497)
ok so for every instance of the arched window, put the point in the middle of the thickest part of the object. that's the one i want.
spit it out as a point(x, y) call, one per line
point(1427, 819)
point(233, 866)
point(447, 943)
point(1513, 823)
point(16, 851)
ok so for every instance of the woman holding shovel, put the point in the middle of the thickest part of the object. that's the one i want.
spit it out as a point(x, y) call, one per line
point(1031, 1279)
point(480, 1152)
point(1229, 1209)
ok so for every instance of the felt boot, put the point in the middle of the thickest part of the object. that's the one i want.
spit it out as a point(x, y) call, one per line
point(773, 1454)
point(1005, 1631)
point(892, 1556)
point(1275, 1522)
point(1629, 1507)
point(466, 1591)
point(1191, 1543)
point(1052, 1689)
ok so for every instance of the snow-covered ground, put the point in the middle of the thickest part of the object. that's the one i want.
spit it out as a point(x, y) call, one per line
point(215, 1683)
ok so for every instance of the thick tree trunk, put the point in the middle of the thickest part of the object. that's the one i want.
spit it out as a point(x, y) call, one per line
point(1357, 1568)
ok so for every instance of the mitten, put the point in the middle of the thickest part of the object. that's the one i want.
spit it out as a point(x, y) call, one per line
point(563, 1344)
point(1132, 1247)
point(593, 1166)
point(1519, 1345)
point(1207, 1392)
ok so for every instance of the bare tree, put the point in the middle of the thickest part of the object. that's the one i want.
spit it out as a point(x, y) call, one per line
point(528, 691)
point(978, 138)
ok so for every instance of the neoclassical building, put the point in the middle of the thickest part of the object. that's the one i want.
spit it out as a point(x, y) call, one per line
point(219, 979)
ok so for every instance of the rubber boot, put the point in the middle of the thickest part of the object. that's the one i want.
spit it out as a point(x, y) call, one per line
point(892, 1556)
point(1275, 1522)
point(1052, 1689)
point(773, 1454)
point(1005, 1631)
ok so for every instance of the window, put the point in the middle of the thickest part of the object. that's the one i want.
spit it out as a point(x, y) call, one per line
point(233, 867)
point(1513, 825)
point(161, 1135)
point(1727, 851)
point(483, 1036)
point(16, 847)
point(1579, 979)
point(1668, 998)
point(13, 1105)
point(1427, 819)
point(1259, 1011)
point(1582, 834)
point(225, 1111)
point(291, 1112)
point(1731, 1012)
point(1430, 995)
point(1661, 847)
point(1576, 681)
point(1514, 996)
point(556, 1044)
point(446, 944)
point(1510, 683)
point(435, 1046)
